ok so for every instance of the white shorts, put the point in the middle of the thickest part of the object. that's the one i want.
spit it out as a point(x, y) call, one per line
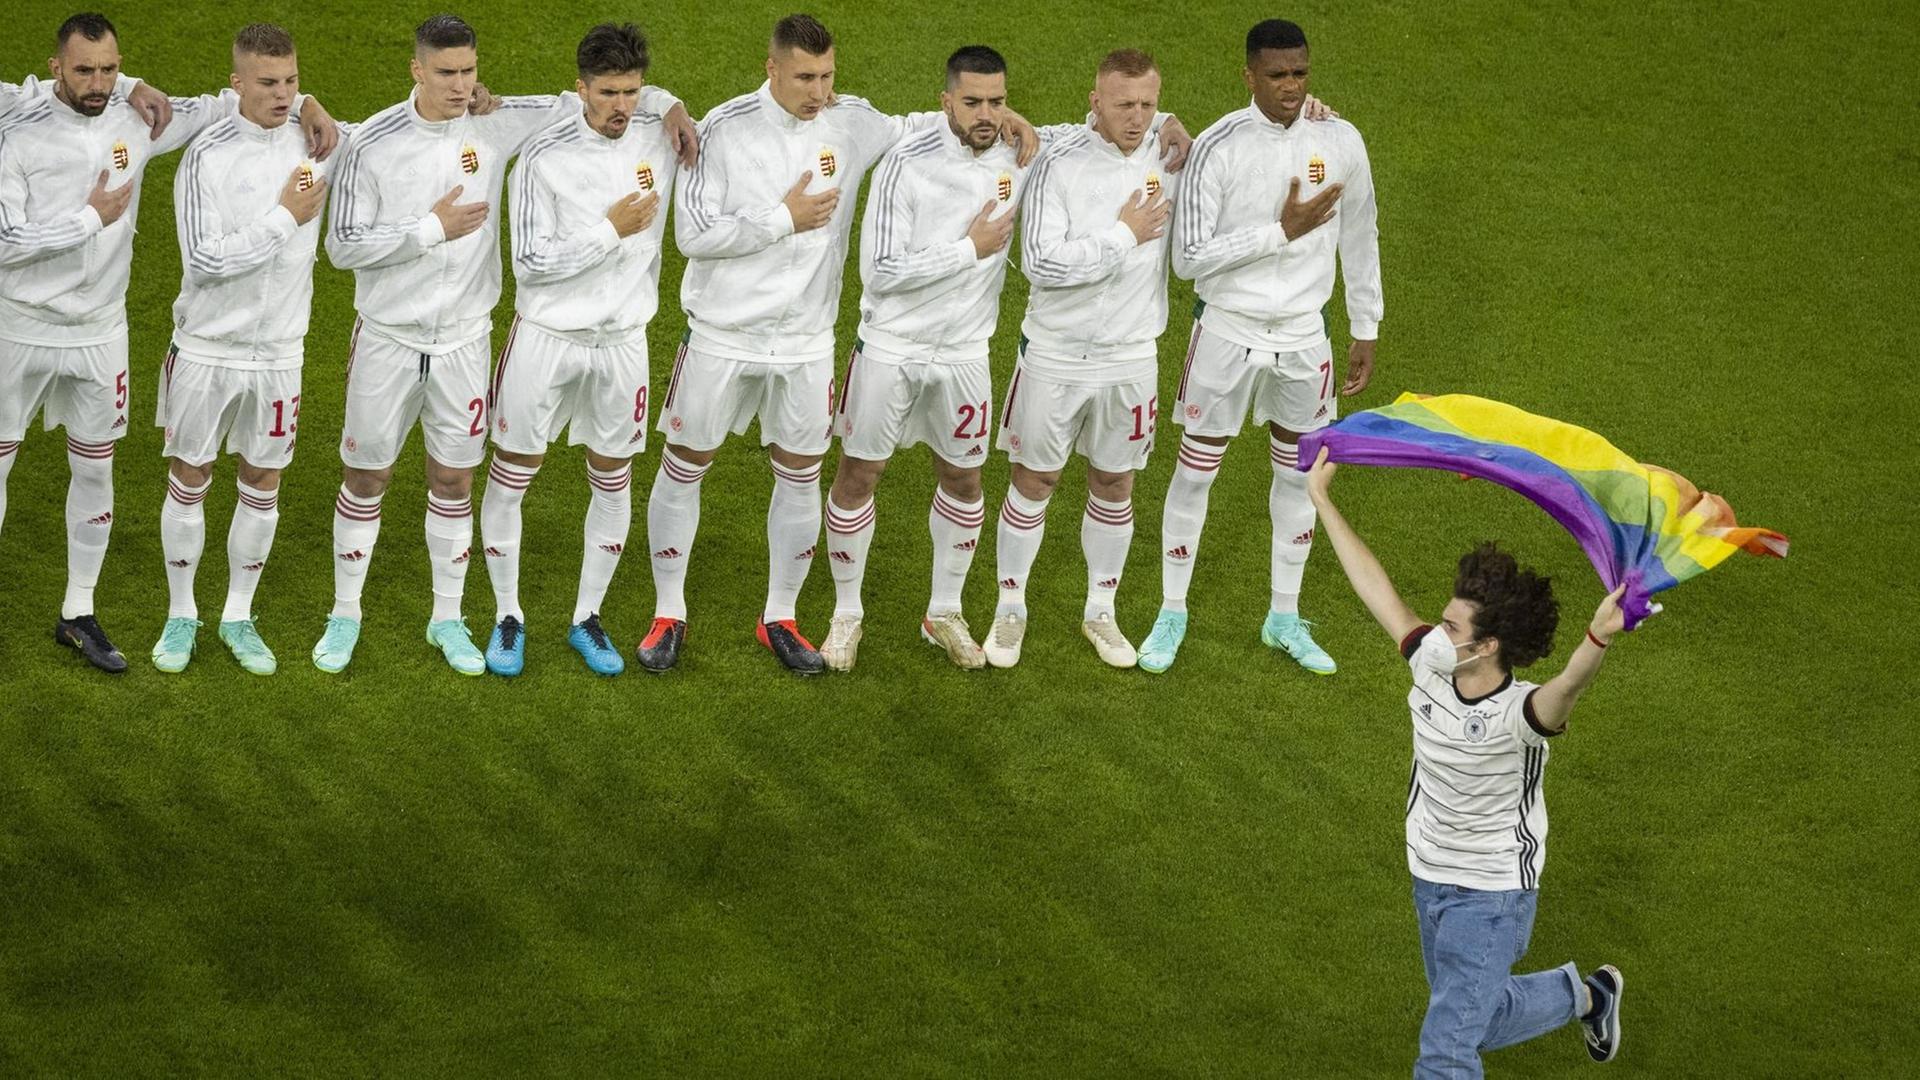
point(83, 388)
point(887, 405)
point(1221, 379)
point(256, 410)
point(389, 386)
point(709, 396)
point(544, 383)
point(1045, 421)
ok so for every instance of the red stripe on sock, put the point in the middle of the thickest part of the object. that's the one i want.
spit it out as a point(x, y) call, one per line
point(680, 472)
point(356, 511)
point(837, 522)
point(1022, 521)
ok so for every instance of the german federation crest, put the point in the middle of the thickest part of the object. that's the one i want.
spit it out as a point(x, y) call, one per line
point(829, 164)
point(469, 159)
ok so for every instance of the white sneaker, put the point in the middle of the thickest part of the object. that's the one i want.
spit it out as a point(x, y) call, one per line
point(1108, 641)
point(949, 631)
point(1004, 640)
point(843, 641)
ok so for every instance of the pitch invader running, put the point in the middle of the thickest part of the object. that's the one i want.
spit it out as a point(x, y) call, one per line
point(932, 263)
point(71, 166)
point(247, 203)
point(414, 218)
point(1094, 247)
point(1274, 194)
point(762, 290)
point(588, 225)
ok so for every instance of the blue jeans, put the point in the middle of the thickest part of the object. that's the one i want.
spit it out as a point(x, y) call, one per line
point(1470, 939)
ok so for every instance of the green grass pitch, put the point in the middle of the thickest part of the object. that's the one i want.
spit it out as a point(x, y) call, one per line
point(1691, 229)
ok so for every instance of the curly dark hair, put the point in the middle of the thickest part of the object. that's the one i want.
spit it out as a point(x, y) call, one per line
point(1510, 603)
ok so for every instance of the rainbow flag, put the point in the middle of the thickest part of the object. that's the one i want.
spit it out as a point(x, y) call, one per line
point(1639, 524)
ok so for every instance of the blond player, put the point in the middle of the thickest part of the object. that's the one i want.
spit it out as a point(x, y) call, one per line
point(247, 203)
point(1094, 247)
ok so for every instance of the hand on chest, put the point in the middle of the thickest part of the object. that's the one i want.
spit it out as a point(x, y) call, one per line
point(1264, 180)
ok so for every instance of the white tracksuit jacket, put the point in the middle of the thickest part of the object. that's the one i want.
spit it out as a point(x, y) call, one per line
point(755, 290)
point(1098, 302)
point(411, 283)
point(923, 291)
point(246, 269)
point(63, 276)
point(1257, 288)
point(574, 276)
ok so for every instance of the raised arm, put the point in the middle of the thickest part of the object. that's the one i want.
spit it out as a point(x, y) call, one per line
point(193, 115)
point(878, 131)
point(1364, 572)
point(1553, 701)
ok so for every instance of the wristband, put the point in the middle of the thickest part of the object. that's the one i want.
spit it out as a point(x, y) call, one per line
point(1597, 643)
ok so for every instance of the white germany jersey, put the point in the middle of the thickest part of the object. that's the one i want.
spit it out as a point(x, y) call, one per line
point(1476, 813)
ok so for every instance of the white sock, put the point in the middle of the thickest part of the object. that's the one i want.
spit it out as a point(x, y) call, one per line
point(449, 545)
point(9, 453)
point(1023, 522)
point(673, 517)
point(1106, 532)
point(183, 536)
point(1293, 519)
point(249, 541)
point(955, 527)
point(609, 519)
point(356, 525)
point(500, 533)
point(793, 531)
point(849, 537)
point(1183, 517)
point(89, 522)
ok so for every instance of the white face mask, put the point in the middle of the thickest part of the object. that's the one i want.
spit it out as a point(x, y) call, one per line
point(1438, 652)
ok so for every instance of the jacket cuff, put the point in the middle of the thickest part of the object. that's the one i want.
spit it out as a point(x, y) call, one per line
point(1122, 235)
point(428, 231)
point(780, 222)
point(281, 220)
point(1363, 329)
point(605, 236)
